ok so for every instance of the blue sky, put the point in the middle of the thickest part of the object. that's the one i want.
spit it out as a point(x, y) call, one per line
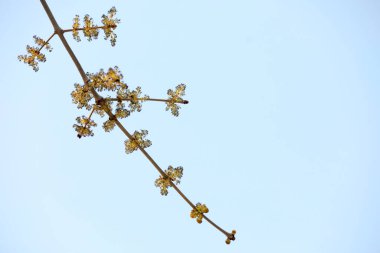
point(280, 138)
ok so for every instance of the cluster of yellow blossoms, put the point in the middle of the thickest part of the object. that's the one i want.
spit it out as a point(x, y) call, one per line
point(198, 212)
point(174, 98)
point(172, 175)
point(111, 80)
point(134, 97)
point(91, 31)
point(34, 54)
point(110, 24)
point(138, 140)
point(83, 127)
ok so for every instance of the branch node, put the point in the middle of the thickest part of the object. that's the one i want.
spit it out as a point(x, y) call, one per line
point(99, 101)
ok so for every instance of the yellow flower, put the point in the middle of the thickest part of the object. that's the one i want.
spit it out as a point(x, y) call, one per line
point(137, 141)
point(172, 175)
point(83, 128)
point(175, 97)
point(76, 25)
point(198, 212)
point(89, 28)
point(110, 24)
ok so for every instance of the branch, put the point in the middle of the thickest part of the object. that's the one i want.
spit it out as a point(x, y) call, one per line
point(147, 99)
point(89, 28)
point(101, 101)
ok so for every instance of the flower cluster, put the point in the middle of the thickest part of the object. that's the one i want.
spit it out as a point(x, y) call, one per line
point(34, 54)
point(102, 106)
point(76, 26)
point(110, 23)
point(83, 127)
point(172, 175)
point(137, 141)
point(81, 96)
point(198, 212)
point(174, 98)
point(42, 43)
point(109, 81)
point(134, 97)
point(91, 30)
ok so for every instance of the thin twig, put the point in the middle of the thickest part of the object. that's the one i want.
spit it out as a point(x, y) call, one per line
point(89, 117)
point(89, 28)
point(46, 42)
point(147, 99)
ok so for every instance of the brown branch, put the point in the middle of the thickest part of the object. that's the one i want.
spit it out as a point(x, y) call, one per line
point(101, 101)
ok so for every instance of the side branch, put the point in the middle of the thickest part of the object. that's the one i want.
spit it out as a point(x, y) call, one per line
point(89, 28)
point(59, 32)
point(147, 99)
point(47, 42)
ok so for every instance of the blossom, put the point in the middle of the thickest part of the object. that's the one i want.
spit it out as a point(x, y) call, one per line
point(174, 98)
point(137, 141)
point(34, 54)
point(83, 127)
point(171, 175)
point(110, 24)
point(198, 212)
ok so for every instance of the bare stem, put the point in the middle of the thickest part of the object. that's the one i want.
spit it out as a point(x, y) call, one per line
point(147, 99)
point(46, 42)
point(100, 101)
point(89, 28)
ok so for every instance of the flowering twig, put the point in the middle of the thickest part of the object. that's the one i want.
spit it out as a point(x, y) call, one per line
point(90, 28)
point(111, 81)
point(147, 99)
point(46, 42)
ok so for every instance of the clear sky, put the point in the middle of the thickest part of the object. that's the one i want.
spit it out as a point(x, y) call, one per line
point(280, 138)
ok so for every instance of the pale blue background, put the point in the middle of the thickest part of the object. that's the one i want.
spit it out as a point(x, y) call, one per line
point(280, 139)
